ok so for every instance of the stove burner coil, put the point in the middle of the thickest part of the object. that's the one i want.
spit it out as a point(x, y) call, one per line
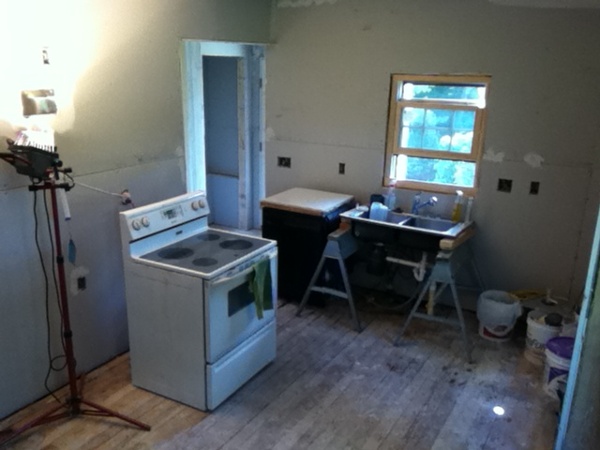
point(175, 253)
point(209, 237)
point(236, 244)
point(204, 262)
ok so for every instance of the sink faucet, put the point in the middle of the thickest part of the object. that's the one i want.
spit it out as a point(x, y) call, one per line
point(417, 205)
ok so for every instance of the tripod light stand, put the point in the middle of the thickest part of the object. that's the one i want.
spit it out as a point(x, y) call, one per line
point(75, 405)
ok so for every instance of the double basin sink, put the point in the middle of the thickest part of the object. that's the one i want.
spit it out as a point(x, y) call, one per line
point(409, 229)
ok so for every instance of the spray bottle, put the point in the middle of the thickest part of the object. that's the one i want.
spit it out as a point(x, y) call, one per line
point(390, 196)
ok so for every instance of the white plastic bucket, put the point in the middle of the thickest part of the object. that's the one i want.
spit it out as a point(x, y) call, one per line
point(569, 326)
point(558, 351)
point(496, 334)
point(497, 312)
point(538, 334)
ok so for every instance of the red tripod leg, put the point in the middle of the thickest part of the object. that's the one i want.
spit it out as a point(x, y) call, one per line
point(12, 432)
point(102, 411)
point(74, 402)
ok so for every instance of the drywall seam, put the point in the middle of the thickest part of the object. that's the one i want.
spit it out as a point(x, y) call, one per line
point(302, 3)
point(325, 144)
point(492, 156)
point(180, 153)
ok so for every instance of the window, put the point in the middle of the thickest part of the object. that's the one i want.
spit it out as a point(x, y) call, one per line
point(435, 131)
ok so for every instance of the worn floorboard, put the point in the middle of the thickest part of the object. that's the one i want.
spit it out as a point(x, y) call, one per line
point(331, 388)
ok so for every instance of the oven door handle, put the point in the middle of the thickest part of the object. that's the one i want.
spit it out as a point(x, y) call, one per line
point(243, 273)
point(221, 281)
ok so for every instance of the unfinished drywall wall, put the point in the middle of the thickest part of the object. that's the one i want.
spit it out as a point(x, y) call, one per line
point(327, 96)
point(116, 71)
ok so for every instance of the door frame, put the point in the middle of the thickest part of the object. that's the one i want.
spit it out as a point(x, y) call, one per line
point(575, 427)
point(251, 120)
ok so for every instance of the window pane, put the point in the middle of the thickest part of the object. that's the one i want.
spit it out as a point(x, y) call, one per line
point(472, 93)
point(413, 117)
point(411, 137)
point(438, 118)
point(464, 120)
point(437, 129)
point(462, 142)
point(436, 139)
point(429, 170)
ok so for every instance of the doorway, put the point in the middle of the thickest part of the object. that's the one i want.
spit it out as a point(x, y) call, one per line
point(223, 102)
point(222, 139)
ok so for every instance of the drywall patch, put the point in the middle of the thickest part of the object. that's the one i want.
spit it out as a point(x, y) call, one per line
point(302, 3)
point(534, 160)
point(492, 156)
point(270, 134)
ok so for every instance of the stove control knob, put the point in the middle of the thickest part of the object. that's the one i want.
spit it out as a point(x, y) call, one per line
point(145, 222)
point(135, 224)
point(198, 204)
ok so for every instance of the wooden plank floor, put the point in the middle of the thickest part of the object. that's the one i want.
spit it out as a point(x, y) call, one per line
point(332, 388)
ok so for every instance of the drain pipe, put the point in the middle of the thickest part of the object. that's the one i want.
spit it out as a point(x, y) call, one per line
point(419, 267)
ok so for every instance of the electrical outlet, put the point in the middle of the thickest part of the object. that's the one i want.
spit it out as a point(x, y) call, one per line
point(284, 161)
point(78, 280)
point(504, 185)
point(342, 168)
point(534, 188)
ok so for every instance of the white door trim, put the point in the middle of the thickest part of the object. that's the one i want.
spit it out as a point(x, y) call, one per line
point(252, 121)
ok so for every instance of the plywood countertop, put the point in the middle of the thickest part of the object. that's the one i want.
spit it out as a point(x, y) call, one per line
point(306, 201)
point(464, 236)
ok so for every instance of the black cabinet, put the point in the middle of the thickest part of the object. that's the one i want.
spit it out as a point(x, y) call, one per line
point(300, 224)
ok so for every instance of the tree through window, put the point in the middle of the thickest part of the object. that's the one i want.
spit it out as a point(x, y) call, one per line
point(435, 131)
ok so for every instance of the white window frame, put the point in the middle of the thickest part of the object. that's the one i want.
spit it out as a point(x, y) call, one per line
point(396, 107)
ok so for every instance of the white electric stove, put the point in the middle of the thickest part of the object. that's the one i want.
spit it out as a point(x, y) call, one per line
point(194, 332)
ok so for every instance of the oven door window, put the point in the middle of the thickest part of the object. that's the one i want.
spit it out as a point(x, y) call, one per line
point(239, 298)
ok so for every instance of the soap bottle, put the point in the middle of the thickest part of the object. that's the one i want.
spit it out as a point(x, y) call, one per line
point(390, 196)
point(456, 210)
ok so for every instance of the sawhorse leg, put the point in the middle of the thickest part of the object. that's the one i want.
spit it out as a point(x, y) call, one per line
point(340, 245)
point(313, 280)
point(443, 272)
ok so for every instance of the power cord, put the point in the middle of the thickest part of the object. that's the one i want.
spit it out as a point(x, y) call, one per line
point(125, 196)
point(53, 255)
point(53, 365)
point(51, 360)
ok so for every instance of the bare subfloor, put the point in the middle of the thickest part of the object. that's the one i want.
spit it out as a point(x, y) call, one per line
point(332, 388)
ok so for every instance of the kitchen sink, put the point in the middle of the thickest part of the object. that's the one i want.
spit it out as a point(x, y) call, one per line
point(430, 224)
point(394, 218)
point(404, 229)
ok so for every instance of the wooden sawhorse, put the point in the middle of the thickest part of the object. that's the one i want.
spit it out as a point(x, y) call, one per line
point(340, 245)
point(447, 264)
